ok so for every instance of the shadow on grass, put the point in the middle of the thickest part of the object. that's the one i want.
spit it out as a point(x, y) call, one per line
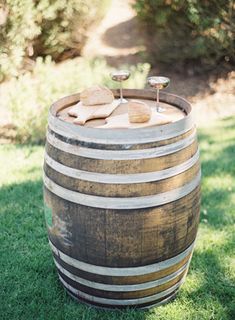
point(29, 283)
point(217, 285)
point(217, 213)
point(217, 166)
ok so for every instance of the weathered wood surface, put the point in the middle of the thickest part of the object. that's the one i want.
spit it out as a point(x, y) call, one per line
point(121, 190)
point(122, 238)
point(119, 116)
point(136, 146)
point(106, 254)
point(84, 113)
point(122, 121)
point(121, 138)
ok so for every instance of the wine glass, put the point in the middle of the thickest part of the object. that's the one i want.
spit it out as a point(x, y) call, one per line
point(158, 83)
point(120, 76)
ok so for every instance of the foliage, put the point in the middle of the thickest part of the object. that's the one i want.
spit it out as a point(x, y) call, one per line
point(30, 288)
point(43, 27)
point(188, 29)
point(30, 95)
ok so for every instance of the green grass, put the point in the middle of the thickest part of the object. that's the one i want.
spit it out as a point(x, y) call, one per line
point(29, 285)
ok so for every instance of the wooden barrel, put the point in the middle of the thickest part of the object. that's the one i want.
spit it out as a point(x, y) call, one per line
point(122, 206)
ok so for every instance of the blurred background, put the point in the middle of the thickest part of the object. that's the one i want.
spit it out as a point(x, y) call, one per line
point(49, 49)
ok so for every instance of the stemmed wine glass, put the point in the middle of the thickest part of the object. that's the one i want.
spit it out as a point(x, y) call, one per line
point(120, 76)
point(158, 83)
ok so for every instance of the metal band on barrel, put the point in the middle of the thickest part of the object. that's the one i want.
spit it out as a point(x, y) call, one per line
point(125, 154)
point(121, 178)
point(122, 288)
point(149, 306)
point(120, 136)
point(120, 272)
point(122, 203)
point(121, 302)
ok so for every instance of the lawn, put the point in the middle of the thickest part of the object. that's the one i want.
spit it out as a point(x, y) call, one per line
point(29, 285)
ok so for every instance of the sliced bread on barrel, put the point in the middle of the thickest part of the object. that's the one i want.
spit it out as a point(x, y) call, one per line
point(138, 112)
point(96, 95)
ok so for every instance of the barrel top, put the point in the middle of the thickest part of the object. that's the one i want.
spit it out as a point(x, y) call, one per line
point(176, 107)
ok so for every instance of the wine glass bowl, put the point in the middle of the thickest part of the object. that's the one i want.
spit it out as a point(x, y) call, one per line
point(158, 83)
point(120, 76)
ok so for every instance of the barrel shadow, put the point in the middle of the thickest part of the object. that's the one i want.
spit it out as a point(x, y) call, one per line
point(30, 285)
point(216, 199)
point(217, 285)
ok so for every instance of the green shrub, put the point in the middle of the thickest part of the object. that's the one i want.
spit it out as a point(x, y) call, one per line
point(189, 29)
point(43, 27)
point(30, 96)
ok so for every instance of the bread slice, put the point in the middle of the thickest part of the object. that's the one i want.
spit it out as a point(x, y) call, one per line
point(96, 95)
point(138, 112)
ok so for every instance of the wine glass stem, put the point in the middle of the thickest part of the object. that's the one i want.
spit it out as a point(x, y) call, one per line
point(121, 96)
point(158, 105)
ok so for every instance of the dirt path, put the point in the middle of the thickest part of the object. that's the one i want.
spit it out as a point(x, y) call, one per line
point(116, 38)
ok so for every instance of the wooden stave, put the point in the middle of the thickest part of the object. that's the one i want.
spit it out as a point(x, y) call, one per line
point(122, 190)
point(122, 295)
point(76, 142)
point(120, 166)
point(122, 280)
point(125, 288)
point(123, 303)
point(100, 154)
point(145, 306)
point(179, 235)
point(131, 147)
point(106, 178)
point(146, 272)
point(123, 291)
point(131, 292)
point(122, 203)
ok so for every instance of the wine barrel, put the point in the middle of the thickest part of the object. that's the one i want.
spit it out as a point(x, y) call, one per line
point(122, 205)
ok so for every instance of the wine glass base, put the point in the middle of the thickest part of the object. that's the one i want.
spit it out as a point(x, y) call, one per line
point(159, 109)
point(122, 100)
